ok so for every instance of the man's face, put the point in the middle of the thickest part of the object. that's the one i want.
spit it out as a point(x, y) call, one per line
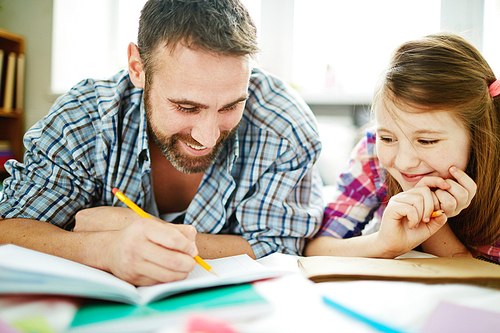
point(194, 104)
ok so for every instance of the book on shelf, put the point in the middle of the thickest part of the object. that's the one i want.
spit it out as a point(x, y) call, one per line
point(9, 84)
point(477, 271)
point(1, 76)
point(6, 152)
point(24, 271)
point(20, 82)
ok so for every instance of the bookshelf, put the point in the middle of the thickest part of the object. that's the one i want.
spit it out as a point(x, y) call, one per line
point(12, 45)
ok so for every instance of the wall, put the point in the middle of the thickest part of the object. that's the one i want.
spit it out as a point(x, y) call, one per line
point(33, 20)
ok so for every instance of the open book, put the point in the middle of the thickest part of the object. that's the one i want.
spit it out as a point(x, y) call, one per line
point(427, 270)
point(26, 271)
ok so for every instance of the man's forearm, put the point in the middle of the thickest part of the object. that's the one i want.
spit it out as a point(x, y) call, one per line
point(45, 237)
point(218, 246)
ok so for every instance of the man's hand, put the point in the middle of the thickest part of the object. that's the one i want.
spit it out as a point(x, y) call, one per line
point(141, 251)
point(103, 218)
point(147, 252)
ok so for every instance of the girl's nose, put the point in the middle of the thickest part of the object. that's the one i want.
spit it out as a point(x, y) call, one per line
point(406, 158)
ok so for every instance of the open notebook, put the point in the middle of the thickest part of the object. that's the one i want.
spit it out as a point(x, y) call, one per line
point(27, 271)
point(476, 271)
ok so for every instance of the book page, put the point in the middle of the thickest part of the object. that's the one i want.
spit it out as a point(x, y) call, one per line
point(26, 271)
point(229, 266)
point(230, 270)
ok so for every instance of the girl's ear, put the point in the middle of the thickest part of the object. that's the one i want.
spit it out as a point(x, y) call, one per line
point(135, 67)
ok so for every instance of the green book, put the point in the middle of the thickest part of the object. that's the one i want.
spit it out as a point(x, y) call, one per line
point(225, 303)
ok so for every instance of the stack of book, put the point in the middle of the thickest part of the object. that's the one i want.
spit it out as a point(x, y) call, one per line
point(11, 80)
point(6, 153)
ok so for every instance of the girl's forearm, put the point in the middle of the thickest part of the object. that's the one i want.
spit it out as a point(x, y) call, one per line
point(444, 243)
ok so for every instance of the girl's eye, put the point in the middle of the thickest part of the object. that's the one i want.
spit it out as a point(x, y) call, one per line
point(386, 139)
point(427, 142)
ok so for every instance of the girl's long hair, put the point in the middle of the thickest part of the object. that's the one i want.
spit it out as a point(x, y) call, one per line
point(445, 72)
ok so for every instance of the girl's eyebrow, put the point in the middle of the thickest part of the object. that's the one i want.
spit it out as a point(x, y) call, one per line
point(382, 129)
point(427, 131)
point(417, 132)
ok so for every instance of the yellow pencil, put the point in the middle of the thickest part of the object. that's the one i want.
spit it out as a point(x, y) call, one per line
point(142, 213)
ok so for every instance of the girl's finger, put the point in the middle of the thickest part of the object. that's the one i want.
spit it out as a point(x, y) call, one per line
point(448, 202)
point(432, 181)
point(397, 211)
point(464, 180)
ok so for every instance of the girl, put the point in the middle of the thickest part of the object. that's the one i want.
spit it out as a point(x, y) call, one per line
point(436, 141)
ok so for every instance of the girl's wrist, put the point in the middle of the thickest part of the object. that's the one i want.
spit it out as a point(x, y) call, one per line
point(377, 247)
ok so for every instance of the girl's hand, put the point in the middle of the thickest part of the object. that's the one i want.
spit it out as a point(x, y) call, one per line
point(452, 196)
point(459, 195)
point(402, 229)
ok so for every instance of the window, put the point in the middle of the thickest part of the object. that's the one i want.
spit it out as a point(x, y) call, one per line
point(341, 49)
point(331, 51)
point(90, 38)
point(491, 47)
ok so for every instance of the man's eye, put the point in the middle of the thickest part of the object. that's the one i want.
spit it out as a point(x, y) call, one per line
point(230, 108)
point(187, 109)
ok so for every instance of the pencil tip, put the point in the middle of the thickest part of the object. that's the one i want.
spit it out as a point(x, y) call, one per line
point(213, 272)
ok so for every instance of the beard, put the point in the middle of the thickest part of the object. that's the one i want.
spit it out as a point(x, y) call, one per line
point(170, 146)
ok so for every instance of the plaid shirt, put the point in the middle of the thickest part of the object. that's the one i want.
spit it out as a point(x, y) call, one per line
point(361, 196)
point(359, 193)
point(263, 185)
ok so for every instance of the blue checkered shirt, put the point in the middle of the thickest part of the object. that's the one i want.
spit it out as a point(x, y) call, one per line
point(263, 186)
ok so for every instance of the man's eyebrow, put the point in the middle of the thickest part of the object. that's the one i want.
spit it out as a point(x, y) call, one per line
point(239, 100)
point(187, 102)
point(204, 106)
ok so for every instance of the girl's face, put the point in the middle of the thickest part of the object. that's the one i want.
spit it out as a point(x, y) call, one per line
point(412, 144)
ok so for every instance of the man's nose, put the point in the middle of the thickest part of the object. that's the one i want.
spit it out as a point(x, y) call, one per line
point(206, 131)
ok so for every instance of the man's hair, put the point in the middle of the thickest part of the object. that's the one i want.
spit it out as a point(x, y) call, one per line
point(221, 26)
point(445, 72)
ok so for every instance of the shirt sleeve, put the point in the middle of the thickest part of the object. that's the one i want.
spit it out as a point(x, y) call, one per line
point(285, 209)
point(53, 182)
point(359, 193)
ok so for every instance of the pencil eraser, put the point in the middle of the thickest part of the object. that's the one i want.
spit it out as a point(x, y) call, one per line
point(114, 190)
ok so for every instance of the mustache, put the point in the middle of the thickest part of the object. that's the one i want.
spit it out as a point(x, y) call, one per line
point(187, 138)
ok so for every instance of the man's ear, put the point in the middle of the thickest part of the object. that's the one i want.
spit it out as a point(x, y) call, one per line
point(135, 67)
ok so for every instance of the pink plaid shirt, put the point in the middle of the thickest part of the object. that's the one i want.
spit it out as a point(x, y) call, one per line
point(361, 195)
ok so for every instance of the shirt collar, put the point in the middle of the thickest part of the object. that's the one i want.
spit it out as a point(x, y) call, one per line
point(143, 150)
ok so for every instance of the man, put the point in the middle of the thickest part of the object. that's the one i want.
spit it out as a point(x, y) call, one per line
point(224, 155)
